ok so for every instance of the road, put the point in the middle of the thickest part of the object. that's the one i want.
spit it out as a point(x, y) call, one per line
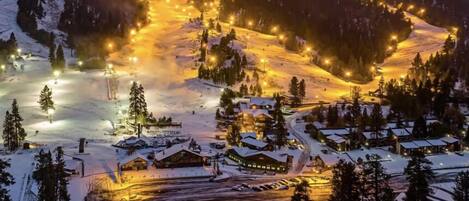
point(201, 189)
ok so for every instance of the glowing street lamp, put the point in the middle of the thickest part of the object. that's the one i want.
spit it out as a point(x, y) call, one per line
point(274, 29)
point(19, 51)
point(422, 11)
point(56, 75)
point(80, 63)
point(281, 37)
point(250, 23)
point(50, 114)
point(348, 74)
point(213, 59)
point(133, 32)
point(455, 30)
point(264, 62)
point(394, 37)
point(327, 61)
point(410, 7)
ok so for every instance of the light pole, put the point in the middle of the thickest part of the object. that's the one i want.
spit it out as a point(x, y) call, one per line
point(264, 62)
point(56, 75)
point(50, 114)
point(348, 74)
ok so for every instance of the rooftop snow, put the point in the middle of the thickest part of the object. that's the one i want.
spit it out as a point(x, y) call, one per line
point(341, 131)
point(254, 142)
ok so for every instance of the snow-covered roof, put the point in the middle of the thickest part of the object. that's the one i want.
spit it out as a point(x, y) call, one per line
point(248, 135)
point(449, 140)
point(173, 150)
point(341, 131)
point(329, 159)
point(409, 145)
point(318, 125)
point(246, 152)
point(400, 132)
point(337, 139)
point(262, 101)
point(436, 142)
point(390, 125)
point(422, 143)
point(430, 121)
point(371, 135)
point(130, 158)
point(256, 112)
point(254, 142)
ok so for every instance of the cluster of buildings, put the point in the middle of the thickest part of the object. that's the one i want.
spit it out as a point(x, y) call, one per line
point(256, 148)
point(176, 156)
point(398, 137)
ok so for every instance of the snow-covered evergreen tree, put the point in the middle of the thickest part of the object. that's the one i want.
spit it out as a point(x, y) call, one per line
point(45, 99)
point(62, 181)
point(9, 138)
point(20, 133)
point(6, 179)
point(418, 173)
point(461, 190)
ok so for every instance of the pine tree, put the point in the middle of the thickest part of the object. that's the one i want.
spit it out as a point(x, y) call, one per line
point(355, 110)
point(461, 190)
point(376, 181)
point(143, 101)
point(137, 104)
point(234, 137)
point(52, 59)
point(449, 45)
point(302, 89)
point(281, 131)
point(377, 120)
point(418, 173)
point(9, 138)
point(60, 58)
point(218, 27)
point(301, 192)
point(45, 177)
point(294, 87)
point(12, 45)
point(420, 128)
point(45, 99)
point(20, 133)
point(345, 182)
point(62, 181)
point(6, 179)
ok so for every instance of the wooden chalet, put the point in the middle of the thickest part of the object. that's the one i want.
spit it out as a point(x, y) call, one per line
point(260, 160)
point(179, 156)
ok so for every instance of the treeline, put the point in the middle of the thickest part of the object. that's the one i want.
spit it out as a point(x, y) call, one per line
point(351, 35)
point(451, 14)
point(97, 27)
point(7, 48)
point(221, 63)
point(29, 11)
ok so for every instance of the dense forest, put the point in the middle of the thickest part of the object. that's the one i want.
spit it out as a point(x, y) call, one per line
point(348, 35)
point(453, 15)
point(96, 27)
